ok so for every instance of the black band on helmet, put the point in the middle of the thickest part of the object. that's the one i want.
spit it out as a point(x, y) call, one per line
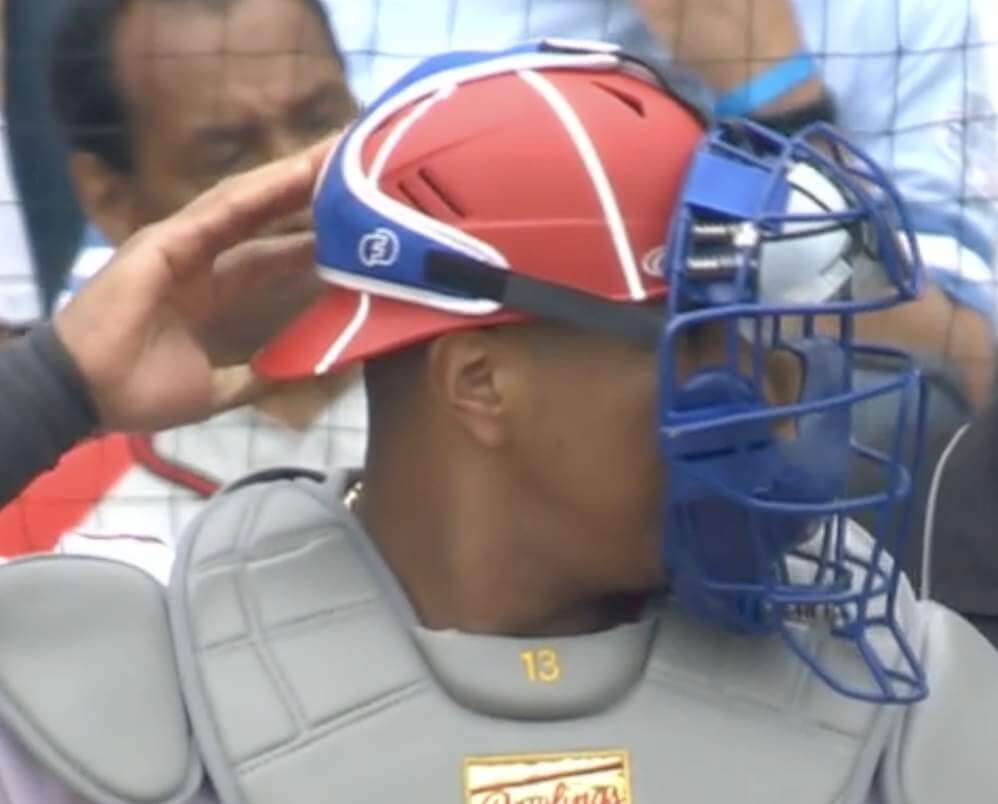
point(544, 300)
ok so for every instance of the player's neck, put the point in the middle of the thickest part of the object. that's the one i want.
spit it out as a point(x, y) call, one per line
point(466, 565)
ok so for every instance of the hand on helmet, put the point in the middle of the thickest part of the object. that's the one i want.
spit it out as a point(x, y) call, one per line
point(148, 332)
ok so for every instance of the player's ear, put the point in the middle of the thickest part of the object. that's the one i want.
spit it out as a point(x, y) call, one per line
point(470, 374)
point(105, 194)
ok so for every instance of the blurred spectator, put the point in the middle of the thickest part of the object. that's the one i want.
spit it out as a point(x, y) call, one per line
point(161, 100)
point(20, 304)
point(19, 300)
point(38, 154)
point(173, 288)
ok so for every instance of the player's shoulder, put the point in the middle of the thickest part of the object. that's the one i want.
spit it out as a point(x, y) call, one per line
point(89, 669)
point(148, 552)
point(88, 675)
point(278, 512)
point(278, 474)
point(943, 749)
point(275, 500)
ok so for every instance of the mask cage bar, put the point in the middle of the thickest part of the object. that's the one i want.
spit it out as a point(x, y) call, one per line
point(879, 225)
point(856, 593)
point(901, 681)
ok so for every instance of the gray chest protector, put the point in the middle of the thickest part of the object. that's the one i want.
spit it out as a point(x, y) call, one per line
point(306, 679)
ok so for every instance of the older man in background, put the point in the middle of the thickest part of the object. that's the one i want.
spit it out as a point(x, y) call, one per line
point(159, 101)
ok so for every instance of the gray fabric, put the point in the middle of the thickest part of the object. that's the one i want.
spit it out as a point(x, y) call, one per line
point(592, 673)
point(304, 684)
point(228, 589)
point(957, 723)
point(87, 679)
point(46, 407)
point(965, 526)
point(873, 425)
point(308, 681)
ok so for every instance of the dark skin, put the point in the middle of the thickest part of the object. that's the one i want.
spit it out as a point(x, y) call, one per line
point(513, 480)
point(146, 366)
point(728, 41)
point(210, 93)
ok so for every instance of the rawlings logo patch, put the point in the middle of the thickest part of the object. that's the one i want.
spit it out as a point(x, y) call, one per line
point(585, 777)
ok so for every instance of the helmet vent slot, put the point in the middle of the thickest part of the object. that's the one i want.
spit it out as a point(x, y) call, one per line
point(626, 98)
point(438, 190)
point(406, 192)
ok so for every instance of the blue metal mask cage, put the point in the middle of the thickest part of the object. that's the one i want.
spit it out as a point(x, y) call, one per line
point(776, 245)
point(758, 532)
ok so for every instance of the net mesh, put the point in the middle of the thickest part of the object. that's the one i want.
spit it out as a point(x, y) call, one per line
point(914, 81)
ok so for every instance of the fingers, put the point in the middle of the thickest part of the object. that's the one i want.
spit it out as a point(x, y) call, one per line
point(301, 221)
point(263, 187)
point(262, 259)
point(257, 288)
point(236, 209)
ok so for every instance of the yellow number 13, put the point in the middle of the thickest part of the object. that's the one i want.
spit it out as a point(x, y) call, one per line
point(541, 665)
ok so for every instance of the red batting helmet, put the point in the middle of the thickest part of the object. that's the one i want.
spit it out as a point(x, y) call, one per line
point(554, 160)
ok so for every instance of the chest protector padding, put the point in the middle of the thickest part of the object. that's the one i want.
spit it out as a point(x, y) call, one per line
point(304, 684)
point(88, 682)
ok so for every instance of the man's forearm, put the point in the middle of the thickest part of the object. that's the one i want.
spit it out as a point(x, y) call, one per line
point(727, 42)
point(46, 408)
point(936, 328)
